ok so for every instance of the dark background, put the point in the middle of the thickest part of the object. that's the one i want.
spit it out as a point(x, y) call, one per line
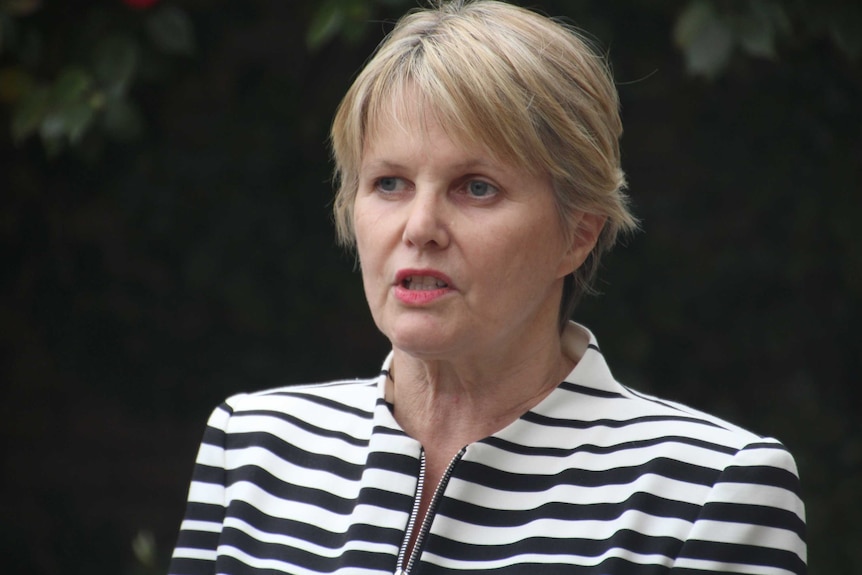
point(166, 241)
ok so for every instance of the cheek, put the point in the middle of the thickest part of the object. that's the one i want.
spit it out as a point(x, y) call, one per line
point(361, 235)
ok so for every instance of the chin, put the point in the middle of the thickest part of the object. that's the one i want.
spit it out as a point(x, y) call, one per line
point(423, 341)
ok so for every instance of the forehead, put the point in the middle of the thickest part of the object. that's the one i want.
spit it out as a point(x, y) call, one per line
point(412, 113)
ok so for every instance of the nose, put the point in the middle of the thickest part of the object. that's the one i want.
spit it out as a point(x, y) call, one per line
point(426, 226)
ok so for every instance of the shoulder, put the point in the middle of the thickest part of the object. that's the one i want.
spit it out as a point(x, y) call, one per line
point(678, 417)
point(353, 398)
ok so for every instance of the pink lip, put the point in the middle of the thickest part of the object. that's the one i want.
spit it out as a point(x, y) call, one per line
point(420, 297)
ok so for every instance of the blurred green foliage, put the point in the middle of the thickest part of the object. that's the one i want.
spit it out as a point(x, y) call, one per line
point(164, 185)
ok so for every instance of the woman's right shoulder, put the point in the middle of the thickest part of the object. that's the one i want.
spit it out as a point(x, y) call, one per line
point(356, 397)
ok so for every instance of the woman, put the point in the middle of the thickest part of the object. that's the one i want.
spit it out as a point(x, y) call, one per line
point(479, 181)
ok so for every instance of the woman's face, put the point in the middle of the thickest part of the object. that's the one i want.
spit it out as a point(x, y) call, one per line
point(461, 255)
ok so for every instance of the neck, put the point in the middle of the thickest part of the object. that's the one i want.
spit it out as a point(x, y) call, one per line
point(446, 404)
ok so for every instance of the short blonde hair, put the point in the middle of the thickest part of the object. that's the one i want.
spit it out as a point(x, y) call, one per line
point(525, 87)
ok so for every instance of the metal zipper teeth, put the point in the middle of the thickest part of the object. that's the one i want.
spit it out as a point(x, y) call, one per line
point(429, 515)
point(411, 522)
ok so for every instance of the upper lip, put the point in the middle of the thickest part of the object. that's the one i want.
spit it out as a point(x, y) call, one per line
point(404, 274)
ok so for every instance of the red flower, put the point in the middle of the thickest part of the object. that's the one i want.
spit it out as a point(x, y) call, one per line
point(140, 4)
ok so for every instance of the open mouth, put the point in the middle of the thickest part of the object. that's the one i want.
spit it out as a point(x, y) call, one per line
point(423, 283)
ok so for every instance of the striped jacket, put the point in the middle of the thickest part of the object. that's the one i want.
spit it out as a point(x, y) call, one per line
point(596, 479)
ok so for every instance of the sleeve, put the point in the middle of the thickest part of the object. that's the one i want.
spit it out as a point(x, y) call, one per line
point(753, 521)
point(195, 552)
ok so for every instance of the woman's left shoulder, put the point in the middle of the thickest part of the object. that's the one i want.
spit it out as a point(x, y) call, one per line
point(698, 424)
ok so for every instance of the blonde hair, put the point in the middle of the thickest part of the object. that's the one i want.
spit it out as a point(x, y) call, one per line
point(525, 87)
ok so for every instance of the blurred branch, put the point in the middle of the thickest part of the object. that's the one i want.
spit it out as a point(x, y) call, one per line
point(88, 91)
point(709, 32)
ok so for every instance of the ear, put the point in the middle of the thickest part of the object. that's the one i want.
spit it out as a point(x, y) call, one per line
point(583, 240)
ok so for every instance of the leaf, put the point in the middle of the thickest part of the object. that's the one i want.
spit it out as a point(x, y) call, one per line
point(327, 21)
point(756, 37)
point(171, 31)
point(705, 39)
point(78, 117)
point(758, 28)
point(690, 22)
point(67, 122)
point(357, 15)
point(73, 85)
point(115, 62)
point(53, 126)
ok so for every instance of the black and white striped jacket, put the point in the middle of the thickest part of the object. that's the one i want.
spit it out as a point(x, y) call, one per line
point(596, 479)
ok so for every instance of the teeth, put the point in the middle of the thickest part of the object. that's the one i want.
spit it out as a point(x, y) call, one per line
point(423, 283)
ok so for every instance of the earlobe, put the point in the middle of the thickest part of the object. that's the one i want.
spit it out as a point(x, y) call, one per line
point(583, 240)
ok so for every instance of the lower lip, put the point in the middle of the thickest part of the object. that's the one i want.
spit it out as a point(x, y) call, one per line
point(419, 297)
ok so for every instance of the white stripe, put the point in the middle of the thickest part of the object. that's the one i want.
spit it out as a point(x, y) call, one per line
point(297, 543)
point(281, 566)
point(192, 553)
point(204, 526)
point(206, 493)
point(577, 495)
point(563, 529)
point(745, 534)
point(562, 559)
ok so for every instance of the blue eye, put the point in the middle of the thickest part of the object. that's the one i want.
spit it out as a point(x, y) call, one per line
point(480, 189)
point(388, 184)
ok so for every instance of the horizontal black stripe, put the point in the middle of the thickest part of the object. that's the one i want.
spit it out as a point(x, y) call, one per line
point(761, 475)
point(647, 503)
point(291, 454)
point(532, 483)
point(596, 449)
point(623, 539)
point(213, 436)
point(610, 566)
point(267, 482)
point(306, 426)
point(198, 539)
point(305, 394)
point(393, 462)
point(391, 431)
point(564, 423)
point(744, 554)
point(204, 512)
point(356, 559)
point(663, 403)
point(186, 566)
point(208, 474)
point(591, 391)
point(754, 515)
point(317, 532)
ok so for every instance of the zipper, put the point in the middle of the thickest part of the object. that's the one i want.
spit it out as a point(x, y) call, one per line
point(400, 567)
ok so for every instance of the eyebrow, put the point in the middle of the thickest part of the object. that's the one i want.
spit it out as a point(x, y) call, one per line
point(466, 165)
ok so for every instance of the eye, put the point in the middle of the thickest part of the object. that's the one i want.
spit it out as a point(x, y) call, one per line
point(389, 184)
point(480, 189)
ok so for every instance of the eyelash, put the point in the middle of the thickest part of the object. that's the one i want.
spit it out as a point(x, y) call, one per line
point(490, 188)
point(378, 184)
